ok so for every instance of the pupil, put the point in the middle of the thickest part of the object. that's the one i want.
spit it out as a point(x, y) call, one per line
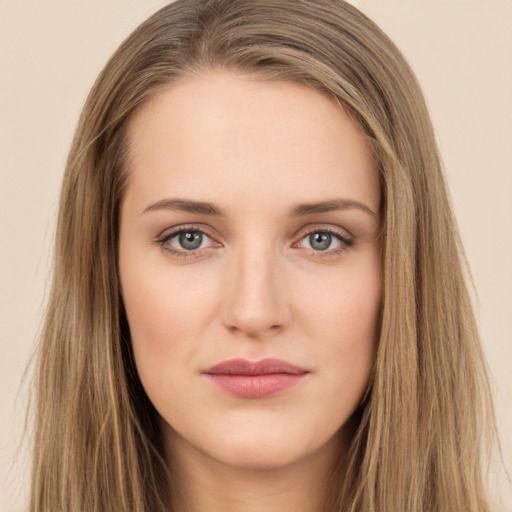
point(190, 240)
point(320, 241)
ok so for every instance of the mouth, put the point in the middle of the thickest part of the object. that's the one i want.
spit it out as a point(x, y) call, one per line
point(260, 379)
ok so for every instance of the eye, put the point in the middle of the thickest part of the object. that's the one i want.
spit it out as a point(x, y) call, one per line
point(189, 240)
point(185, 241)
point(327, 241)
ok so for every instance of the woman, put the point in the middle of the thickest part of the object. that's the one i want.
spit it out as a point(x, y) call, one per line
point(258, 300)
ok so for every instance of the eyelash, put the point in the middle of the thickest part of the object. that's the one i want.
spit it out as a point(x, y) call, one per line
point(162, 240)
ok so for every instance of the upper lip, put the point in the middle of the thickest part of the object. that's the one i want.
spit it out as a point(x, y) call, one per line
point(263, 367)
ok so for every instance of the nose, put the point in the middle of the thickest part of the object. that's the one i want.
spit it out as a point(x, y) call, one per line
point(255, 298)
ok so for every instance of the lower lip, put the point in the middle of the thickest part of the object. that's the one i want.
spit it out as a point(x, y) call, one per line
point(256, 386)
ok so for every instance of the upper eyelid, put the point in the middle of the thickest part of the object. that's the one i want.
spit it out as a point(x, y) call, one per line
point(204, 229)
point(338, 231)
point(301, 233)
point(171, 232)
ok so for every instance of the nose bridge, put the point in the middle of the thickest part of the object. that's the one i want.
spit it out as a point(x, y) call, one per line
point(254, 301)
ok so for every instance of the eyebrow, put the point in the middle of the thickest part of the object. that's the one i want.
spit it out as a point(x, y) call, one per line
point(329, 206)
point(186, 205)
point(299, 210)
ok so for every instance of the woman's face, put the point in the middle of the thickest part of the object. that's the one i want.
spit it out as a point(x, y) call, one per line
point(249, 233)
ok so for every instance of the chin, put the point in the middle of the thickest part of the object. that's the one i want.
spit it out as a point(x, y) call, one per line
point(263, 450)
point(259, 458)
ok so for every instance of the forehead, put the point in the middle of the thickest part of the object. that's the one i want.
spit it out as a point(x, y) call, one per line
point(221, 133)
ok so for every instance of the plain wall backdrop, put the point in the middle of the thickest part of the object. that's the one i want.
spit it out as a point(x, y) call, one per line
point(52, 50)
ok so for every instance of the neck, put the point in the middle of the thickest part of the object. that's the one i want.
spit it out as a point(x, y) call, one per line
point(207, 485)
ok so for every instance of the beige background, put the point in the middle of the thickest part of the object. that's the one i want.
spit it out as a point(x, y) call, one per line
point(50, 53)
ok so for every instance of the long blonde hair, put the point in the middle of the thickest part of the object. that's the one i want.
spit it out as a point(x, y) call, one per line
point(419, 431)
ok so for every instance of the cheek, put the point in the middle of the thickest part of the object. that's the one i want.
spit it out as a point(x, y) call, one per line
point(159, 314)
point(347, 322)
point(148, 329)
point(168, 311)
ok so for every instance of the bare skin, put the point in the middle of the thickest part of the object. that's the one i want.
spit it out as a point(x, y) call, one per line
point(270, 276)
point(207, 485)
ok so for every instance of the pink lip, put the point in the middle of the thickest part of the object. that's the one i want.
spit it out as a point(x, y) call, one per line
point(247, 379)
